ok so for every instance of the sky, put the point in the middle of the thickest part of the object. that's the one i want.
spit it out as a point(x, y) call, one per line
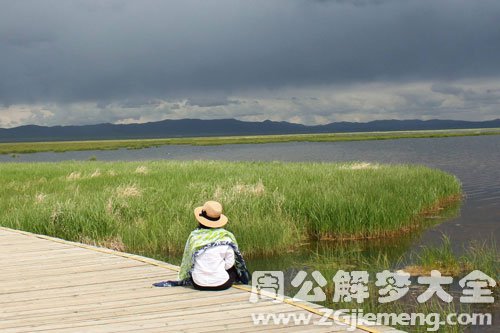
point(82, 62)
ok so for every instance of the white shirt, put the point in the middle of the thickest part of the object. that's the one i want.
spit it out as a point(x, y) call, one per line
point(210, 266)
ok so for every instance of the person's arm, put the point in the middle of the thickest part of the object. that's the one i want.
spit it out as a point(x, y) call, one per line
point(229, 258)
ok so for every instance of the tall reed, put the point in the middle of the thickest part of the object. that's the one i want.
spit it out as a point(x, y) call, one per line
point(147, 207)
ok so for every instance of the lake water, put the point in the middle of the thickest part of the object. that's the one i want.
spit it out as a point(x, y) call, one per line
point(474, 160)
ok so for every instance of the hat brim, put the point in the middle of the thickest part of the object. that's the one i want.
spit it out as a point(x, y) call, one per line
point(206, 222)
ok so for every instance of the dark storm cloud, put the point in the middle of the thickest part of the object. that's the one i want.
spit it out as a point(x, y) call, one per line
point(210, 101)
point(488, 96)
point(92, 50)
point(358, 3)
point(447, 89)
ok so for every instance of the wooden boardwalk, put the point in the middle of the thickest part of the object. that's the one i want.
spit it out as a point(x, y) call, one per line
point(51, 285)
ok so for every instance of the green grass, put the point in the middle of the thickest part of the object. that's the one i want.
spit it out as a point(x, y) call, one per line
point(483, 256)
point(351, 256)
point(62, 146)
point(273, 207)
point(475, 255)
point(147, 207)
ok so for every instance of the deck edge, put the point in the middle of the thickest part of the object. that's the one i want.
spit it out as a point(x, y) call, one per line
point(304, 305)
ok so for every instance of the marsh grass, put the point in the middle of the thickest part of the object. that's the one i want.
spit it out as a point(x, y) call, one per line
point(441, 258)
point(273, 207)
point(351, 256)
point(481, 255)
point(62, 146)
point(475, 255)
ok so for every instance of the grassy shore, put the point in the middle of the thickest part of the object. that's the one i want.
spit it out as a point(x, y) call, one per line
point(147, 207)
point(483, 256)
point(62, 146)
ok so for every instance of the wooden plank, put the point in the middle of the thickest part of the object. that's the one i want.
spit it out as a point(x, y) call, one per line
point(14, 252)
point(173, 317)
point(71, 273)
point(28, 261)
point(75, 291)
point(71, 277)
point(109, 300)
point(49, 285)
point(97, 281)
point(88, 266)
point(141, 322)
point(165, 305)
point(53, 260)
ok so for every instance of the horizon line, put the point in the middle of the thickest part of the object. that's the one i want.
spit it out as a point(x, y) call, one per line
point(250, 121)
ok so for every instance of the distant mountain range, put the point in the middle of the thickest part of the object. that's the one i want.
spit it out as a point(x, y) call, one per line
point(220, 127)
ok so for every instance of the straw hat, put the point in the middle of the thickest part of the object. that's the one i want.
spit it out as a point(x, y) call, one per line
point(210, 215)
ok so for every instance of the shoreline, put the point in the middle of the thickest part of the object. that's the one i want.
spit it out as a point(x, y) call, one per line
point(15, 148)
point(440, 204)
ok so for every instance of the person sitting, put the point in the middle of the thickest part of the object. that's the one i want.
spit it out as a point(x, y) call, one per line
point(211, 259)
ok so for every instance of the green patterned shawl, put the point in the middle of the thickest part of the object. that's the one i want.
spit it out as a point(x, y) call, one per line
point(201, 239)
